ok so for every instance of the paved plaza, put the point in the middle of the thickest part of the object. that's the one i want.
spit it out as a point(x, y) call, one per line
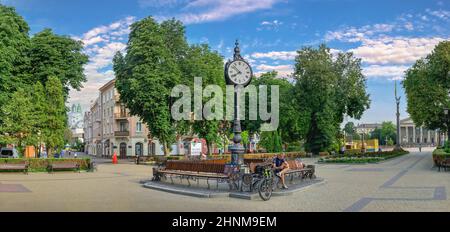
point(408, 183)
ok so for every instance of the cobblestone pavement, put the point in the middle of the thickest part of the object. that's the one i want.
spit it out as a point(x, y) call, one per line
point(408, 183)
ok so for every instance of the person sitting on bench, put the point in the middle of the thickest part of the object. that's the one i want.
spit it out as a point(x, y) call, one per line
point(281, 167)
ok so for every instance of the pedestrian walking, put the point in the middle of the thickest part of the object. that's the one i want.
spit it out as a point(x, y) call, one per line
point(420, 147)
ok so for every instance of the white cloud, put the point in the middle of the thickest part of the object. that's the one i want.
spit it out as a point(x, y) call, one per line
point(159, 3)
point(442, 14)
point(274, 55)
point(200, 11)
point(397, 50)
point(353, 34)
point(101, 44)
point(118, 28)
point(283, 70)
point(270, 25)
point(395, 72)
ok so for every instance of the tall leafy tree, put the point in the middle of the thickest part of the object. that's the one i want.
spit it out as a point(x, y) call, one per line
point(427, 86)
point(56, 115)
point(147, 74)
point(14, 44)
point(202, 62)
point(326, 90)
point(17, 119)
point(57, 56)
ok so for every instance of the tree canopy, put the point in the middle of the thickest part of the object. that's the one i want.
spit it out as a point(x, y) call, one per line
point(427, 86)
point(36, 74)
point(326, 90)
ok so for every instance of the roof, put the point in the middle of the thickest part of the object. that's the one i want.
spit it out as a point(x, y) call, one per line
point(107, 85)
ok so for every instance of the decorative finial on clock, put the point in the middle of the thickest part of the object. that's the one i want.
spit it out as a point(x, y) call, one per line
point(237, 51)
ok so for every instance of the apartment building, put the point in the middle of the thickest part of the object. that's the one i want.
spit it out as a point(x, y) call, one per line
point(111, 129)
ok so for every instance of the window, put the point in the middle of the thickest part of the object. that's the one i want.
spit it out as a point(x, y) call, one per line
point(123, 126)
point(138, 127)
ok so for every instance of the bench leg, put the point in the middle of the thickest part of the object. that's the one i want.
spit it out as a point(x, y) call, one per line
point(207, 182)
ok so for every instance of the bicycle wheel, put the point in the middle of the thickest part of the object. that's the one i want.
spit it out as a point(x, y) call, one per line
point(265, 189)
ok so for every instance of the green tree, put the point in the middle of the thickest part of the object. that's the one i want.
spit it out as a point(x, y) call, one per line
point(14, 44)
point(202, 62)
point(389, 132)
point(17, 121)
point(57, 56)
point(427, 85)
point(147, 74)
point(350, 131)
point(327, 89)
point(55, 123)
point(271, 141)
point(289, 126)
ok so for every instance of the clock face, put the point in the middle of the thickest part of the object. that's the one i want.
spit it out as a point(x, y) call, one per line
point(239, 72)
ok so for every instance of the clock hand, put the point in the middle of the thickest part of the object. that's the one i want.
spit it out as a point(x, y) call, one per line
point(237, 70)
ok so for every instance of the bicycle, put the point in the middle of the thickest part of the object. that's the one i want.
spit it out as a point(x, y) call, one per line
point(265, 181)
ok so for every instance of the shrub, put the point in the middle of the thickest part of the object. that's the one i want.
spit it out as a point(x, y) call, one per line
point(40, 165)
point(370, 157)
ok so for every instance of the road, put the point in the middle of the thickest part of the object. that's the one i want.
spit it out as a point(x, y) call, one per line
point(408, 183)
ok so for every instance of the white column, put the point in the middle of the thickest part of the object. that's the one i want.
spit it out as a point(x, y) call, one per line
point(407, 135)
point(414, 135)
point(436, 137)
point(429, 137)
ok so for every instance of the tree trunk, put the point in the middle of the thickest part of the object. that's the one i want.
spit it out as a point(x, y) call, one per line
point(166, 149)
point(209, 144)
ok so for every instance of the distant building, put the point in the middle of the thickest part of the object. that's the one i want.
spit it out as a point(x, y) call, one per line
point(109, 128)
point(412, 135)
point(76, 122)
point(367, 128)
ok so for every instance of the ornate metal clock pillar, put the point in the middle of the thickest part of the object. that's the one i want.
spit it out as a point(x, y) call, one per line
point(239, 73)
point(397, 100)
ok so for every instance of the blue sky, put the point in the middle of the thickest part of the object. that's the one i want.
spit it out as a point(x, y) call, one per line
point(387, 35)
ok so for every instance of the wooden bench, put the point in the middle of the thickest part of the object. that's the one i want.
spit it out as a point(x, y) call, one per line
point(63, 166)
point(303, 172)
point(15, 167)
point(444, 163)
point(192, 170)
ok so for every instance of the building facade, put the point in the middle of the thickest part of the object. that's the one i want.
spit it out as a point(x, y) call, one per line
point(412, 135)
point(110, 129)
point(76, 122)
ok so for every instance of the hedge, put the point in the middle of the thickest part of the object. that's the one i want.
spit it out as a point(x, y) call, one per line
point(40, 165)
point(441, 152)
point(290, 155)
point(372, 157)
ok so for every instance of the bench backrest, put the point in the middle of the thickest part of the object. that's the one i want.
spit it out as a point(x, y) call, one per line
point(195, 166)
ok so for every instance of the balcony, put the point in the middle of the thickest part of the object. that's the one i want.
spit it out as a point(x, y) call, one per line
point(121, 133)
point(121, 116)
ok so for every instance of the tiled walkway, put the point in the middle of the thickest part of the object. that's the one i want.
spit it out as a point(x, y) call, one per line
point(407, 183)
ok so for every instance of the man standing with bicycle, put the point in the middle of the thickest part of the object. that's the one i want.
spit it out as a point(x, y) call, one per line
point(281, 166)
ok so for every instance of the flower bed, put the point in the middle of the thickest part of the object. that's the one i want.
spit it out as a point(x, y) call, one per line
point(360, 158)
point(40, 165)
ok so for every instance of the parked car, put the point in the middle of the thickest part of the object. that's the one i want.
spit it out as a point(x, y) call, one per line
point(9, 153)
